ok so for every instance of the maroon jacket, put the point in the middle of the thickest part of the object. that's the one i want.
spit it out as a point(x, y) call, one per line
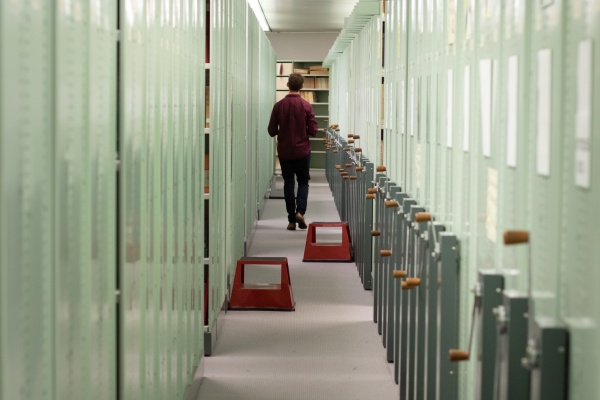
point(293, 121)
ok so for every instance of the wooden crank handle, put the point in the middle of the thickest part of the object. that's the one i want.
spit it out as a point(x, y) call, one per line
point(422, 217)
point(398, 273)
point(348, 165)
point(381, 168)
point(369, 196)
point(391, 204)
point(375, 233)
point(516, 237)
point(356, 137)
point(406, 286)
point(346, 148)
point(351, 141)
point(372, 190)
point(385, 253)
point(353, 178)
point(458, 355)
point(350, 135)
point(413, 281)
point(359, 169)
point(358, 150)
point(338, 166)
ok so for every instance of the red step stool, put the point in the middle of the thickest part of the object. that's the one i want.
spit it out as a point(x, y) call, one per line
point(328, 252)
point(266, 296)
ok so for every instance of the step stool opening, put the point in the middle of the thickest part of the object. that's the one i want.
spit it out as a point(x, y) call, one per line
point(333, 243)
point(331, 236)
point(261, 275)
point(262, 283)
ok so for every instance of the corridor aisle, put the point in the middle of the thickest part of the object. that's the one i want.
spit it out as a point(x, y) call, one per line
point(327, 349)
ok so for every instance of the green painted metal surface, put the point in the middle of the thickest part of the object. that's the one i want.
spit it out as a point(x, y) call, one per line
point(85, 198)
point(102, 204)
point(161, 146)
point(26, 201)
point(487, 123)
point(58, 200)
point(242, 96)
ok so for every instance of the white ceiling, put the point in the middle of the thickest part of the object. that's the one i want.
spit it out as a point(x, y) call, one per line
point(306, 15)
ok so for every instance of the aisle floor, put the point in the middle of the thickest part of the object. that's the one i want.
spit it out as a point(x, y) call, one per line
point(327, 349)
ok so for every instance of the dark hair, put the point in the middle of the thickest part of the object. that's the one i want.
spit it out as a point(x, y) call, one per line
point(295, 82)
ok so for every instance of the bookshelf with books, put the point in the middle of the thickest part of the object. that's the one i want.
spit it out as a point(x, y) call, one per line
point(315, 91)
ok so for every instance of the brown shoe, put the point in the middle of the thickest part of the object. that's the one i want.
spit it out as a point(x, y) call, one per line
point(291, 226)
point(300, 220)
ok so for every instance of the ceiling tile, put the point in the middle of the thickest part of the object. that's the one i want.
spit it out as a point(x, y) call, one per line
point(306, 15)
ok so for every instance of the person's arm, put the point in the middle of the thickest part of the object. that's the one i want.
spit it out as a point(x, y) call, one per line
point(273, 123)
point(311, 123)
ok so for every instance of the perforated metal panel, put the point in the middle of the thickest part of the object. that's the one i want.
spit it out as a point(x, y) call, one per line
point(58, 205)
point(487, 123)
point(161, 146)
point(26, 200)
point(580, 140)
point(241, 163)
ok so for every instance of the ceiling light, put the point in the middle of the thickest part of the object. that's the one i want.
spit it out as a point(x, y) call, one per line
point(260, 16)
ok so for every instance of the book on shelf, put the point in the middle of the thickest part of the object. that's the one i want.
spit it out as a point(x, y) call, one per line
point(321, 83)
point(283, 68)
point(318, 70)
point(309, 96)
point(309, 83)
point(281, 83)
point(300, 71)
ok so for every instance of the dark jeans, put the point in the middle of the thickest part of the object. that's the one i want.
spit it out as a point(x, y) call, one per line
point(300, 168)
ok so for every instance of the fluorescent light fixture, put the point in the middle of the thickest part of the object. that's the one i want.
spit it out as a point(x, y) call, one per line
point(260, 16)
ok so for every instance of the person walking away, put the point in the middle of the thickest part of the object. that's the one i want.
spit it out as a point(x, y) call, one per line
point(293, 122)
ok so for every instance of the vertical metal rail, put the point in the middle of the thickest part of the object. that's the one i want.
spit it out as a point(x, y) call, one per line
point(406, 253)
point(413, 261)
point(367, 217)
point(350, 175)
point(344, 161)
point(378, 265)
point(386, 253)
point(431, 311)
point(512, 381)
point(399, 244)
point(422, 275)
point(388, 326)
point(491, 285)
point(447, 256)
point(357, 228)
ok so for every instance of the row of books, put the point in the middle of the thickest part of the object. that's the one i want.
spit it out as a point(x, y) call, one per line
point(309, 96)
point(309, 83)
point(288, 68)
point(316, 83)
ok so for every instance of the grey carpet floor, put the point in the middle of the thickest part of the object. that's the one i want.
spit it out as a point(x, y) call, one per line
point(327, 349)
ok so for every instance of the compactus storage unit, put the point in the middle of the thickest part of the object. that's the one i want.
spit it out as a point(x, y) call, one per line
point(242, 88)
point(487, 125)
